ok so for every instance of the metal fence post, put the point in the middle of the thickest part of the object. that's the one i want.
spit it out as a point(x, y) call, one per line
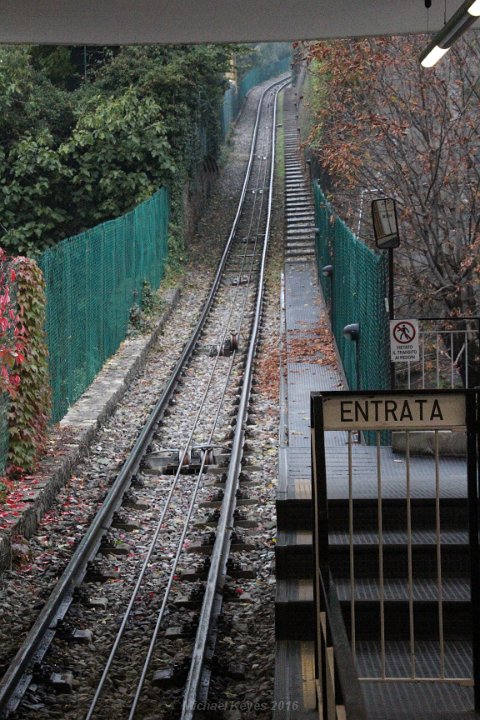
point(473, 448)
point(320, 537)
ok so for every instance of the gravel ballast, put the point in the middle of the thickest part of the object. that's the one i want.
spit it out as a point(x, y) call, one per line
point(38, 562)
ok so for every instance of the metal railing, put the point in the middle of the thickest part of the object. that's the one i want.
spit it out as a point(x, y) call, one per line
point(406, 557)
point(338, 689)
point(449, 355)
point(339, 695)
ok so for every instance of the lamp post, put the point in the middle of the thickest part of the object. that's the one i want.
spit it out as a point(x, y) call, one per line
point(352, 332)
point(385, 228)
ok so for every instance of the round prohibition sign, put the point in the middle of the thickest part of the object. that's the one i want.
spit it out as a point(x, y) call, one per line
point(404, 332)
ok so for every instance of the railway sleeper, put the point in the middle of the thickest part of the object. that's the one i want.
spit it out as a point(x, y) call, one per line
point(238, 544)
point(193, 599)
point(97, 602)
point(121, 521)
point(181, 631)
point(238, 571)
point(172, 676)
point(66, 630)
point(82, 596)
point(233, 593)
point(167, 461)
point(132, 502)
point(235, 671)
point(100, 572)
point(110, 545)
point(199, 572)
point(243, 520)
point(60, 679)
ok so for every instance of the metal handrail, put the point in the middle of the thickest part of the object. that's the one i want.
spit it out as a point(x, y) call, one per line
point(348, 691)
point(454, 319)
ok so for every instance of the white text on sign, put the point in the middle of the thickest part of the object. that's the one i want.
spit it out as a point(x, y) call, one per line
point(404, 346)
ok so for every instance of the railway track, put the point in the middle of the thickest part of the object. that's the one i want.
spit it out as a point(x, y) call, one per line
point(188, 460)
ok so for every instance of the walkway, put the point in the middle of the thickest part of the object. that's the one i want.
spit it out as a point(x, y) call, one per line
point(304, 313)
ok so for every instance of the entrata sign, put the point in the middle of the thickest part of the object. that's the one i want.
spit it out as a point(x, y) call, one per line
point(404, 341)
point(394, 411)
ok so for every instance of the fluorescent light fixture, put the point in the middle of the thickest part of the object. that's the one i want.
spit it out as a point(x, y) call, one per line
point(475, 9)
point(460, 21)
point(434, 56)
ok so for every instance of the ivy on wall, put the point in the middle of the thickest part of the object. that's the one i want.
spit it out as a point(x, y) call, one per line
point(30, 404)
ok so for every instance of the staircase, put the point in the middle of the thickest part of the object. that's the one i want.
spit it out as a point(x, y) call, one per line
point(299, 208)
point(397, 697)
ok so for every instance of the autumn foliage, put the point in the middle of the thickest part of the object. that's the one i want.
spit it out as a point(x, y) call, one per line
point(11, 330)
point(30, 404)
point(383, 125)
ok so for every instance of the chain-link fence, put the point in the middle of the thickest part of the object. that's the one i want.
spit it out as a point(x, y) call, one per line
point(92, 281)
point(235, 95)
point(355, 289)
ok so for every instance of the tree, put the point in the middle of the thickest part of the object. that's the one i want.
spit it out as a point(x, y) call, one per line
point(71, 158)
point(383, 123)
point(117, 156)
point(34, 118)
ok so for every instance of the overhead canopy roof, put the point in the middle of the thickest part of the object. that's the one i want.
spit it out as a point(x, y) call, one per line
point(112, 22)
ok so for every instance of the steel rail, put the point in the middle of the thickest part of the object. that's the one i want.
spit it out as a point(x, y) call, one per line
point(174, 567)
point(35, 645)
point(161, 519)
point(156, 534)
point(254, 212)
point(212, 601)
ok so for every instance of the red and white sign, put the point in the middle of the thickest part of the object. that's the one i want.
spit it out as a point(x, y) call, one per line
point(404, 341)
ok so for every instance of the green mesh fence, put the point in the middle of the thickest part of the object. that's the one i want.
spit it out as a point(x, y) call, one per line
point(234, 96)
point(259, 74)
point(356, 292)
point(229, 110)
point(92, 281)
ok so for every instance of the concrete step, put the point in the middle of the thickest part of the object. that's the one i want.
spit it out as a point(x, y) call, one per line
point(299, 252)
point(297, 259)
point(300, 242)
point(298, 204)
point(302, 217)
point(301, 225)
point(294, 614)
point(453, 512)
point(295, 186)
point(302, 231)
point(294, 513)
point(300, 246)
